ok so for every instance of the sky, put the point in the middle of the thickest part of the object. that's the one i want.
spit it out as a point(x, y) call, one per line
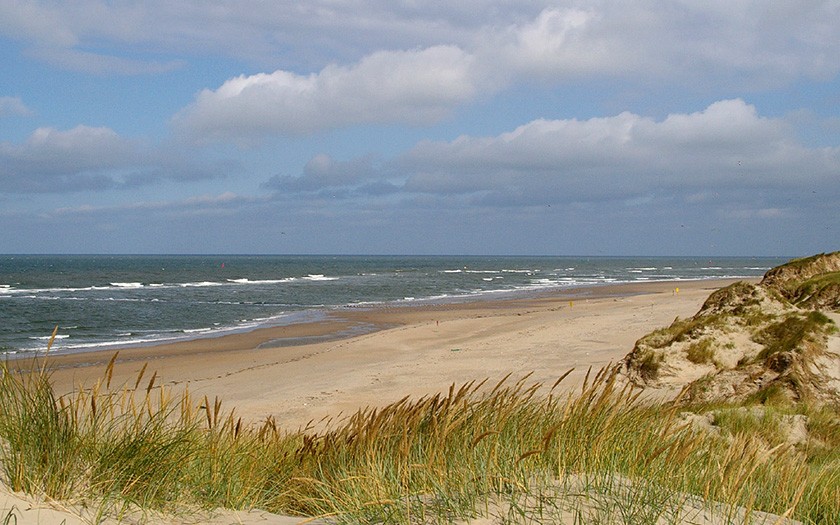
point(482, 127)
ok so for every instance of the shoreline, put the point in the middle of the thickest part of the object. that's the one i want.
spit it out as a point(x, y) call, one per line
point(353, 358)
point(342, 321)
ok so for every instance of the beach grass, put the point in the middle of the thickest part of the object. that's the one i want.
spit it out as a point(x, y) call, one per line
point(511, 452)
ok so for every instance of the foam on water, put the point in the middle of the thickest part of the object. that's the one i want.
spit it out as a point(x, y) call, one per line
point(128, 300)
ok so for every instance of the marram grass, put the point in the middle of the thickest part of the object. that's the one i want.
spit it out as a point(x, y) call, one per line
point(512, 451)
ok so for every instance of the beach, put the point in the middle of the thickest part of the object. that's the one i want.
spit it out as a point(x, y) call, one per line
point(368, 357)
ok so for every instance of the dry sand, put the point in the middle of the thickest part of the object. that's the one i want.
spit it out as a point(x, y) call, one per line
point(406, 350)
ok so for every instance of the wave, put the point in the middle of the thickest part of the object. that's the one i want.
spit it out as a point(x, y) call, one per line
point(319, 277)
point(245, 280)
point(503, 270)
point(152, 337)
point(127, 285)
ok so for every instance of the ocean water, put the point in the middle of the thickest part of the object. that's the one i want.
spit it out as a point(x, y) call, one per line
point(104, 302)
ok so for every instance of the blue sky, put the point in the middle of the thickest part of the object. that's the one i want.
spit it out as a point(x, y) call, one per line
point(483, 127)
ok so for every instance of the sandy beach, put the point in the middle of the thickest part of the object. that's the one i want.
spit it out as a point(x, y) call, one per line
point(318, 371)
point(306, 372)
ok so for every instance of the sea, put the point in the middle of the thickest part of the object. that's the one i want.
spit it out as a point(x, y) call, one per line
point(103, 302)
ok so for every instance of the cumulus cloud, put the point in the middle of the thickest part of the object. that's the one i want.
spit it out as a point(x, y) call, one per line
point(421, 85)
point(54, 160)
point(87, 158)
point(13, 107)
point(696, 157)
point(560, 42)
point(411, 87)
point(749, 43)
point(726, 145)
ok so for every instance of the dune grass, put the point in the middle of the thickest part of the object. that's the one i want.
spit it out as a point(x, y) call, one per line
point(513, 451)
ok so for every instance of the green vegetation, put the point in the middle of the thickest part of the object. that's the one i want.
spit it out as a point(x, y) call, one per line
point(790, 278)
point(736, 296)
point(820, 291)
point(648, 364)
point(680, 330)
point(597, 455)
point(701, 352)
point(794, 333)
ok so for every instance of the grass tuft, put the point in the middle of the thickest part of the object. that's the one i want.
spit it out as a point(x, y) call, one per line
point(701, 352)
point(794, 333)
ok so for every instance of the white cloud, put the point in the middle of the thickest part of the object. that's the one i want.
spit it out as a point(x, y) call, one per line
point(746, 40)
point(725, 146)
point(82, 148)
point(30, 21)
point(13, 107)
point(89, 158)
point(411, 87)
point(696, 157)
point(748, 43)
point(559, 42)
point(669, 45)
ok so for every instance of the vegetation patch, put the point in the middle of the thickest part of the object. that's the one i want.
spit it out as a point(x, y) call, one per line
point(682, 330)
point(737, 296)
point(770, 395)
point(648, 364)
point(821, 291)
point(788, 278)
point(597, 455)
point(701, 352)
point(795, 333)
point(780, 328)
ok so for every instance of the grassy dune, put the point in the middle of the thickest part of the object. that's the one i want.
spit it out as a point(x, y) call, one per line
point(597, 455)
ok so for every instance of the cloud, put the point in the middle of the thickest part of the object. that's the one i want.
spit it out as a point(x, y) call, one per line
point(323, 172)
point(753, 44)
point(209, 204)
point(90, 158)
point(53, 160)
point(698, 158)
point(102, 64)
point(675, 45)
point(410, 87)
point(726, 145)
point(13, 107)
point(28, 21)
point(560, 42)
point(742, 40)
